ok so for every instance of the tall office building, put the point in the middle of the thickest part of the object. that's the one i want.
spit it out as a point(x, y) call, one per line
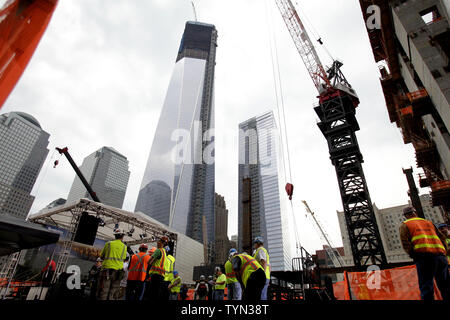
point(23, 150)
point(106, 170)
point(262, 207)
point(221, 242)
point(389, 221)
point(411, 44)
point(177, 166)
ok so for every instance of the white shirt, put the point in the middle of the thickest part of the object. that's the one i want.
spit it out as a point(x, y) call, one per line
point(123, 283)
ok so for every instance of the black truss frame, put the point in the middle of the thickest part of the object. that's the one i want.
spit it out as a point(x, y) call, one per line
point(339, 125)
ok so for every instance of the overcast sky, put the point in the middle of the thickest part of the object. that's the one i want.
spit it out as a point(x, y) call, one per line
point(101, 72)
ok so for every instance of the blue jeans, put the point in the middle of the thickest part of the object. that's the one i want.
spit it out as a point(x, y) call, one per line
point(218, 295)
point(432, 267)
point(264, 291)
point(234, 291)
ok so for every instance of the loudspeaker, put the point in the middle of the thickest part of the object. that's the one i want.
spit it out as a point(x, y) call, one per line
point(87, 229)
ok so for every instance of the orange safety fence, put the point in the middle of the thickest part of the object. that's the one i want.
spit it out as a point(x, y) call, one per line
point(22, 24)
point(191, 294)
point(390, 284)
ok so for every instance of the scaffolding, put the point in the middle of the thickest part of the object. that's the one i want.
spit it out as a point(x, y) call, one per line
point(140, 230)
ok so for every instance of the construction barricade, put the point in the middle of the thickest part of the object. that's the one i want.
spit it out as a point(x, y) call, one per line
point(390, 284)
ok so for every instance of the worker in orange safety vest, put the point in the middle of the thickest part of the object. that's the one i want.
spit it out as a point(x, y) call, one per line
point(426, 245)
point(137, 272)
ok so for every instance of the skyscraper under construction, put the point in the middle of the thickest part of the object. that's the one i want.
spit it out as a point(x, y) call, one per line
point(178, 184)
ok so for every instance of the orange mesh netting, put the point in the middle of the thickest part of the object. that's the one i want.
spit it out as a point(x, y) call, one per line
point(22, 24)
point(394, 284)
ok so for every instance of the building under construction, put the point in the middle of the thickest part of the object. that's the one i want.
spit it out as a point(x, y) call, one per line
point(410, 41)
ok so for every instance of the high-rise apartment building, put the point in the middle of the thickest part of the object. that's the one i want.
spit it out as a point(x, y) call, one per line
point(389, 221)
point(23, 150)
point(178, 184)
point(262, 208)
point(106, 170)
point(411, 44)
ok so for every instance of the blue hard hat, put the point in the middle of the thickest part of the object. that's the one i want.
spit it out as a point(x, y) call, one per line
point(258, 240)
point(175, 273)
point(442, 225)
point(232, 251)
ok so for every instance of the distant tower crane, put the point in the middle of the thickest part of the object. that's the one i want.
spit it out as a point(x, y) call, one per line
point(329, 247)
point(336, 110)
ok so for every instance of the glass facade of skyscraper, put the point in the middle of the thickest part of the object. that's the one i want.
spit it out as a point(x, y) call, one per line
point(23, 150)
point(178, 184)
point(262, 204)
point(107, 172)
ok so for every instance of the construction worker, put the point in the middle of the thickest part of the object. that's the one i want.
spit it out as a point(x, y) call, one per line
point(137, 273)
point(233, 285)
point(201, 290)
point(210, 287)
point(157, 272)
point(219, 284)
point(262, 256)
point(123, 283)
point(93, 278)
point(426, 245)
point(445, 230)
point(168, 277)
point(113, 255)
point(251, 276)
point(174, 286)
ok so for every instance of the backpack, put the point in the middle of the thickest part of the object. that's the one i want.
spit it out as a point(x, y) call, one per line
point(202, 290)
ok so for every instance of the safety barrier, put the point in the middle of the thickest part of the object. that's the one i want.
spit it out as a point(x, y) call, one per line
point(390, 284)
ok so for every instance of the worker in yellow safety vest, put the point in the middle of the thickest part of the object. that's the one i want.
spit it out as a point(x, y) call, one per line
point(175, 286)
point(445, 230)
point(251, 276)
point(157, 272)
point(113, 255)
point(262, 256)
point(233, 285)
point(219, 284)
point(427, 246)
point(168, 276)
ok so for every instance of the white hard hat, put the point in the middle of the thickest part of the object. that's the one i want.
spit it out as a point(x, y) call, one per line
point(118, 231)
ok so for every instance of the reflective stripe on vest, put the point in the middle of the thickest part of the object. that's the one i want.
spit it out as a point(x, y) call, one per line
point(249, 265)
point(158, 265)
point(423, 236)
point(138, 271)
point(114, 261)
point(168, 267)
point(177, 287)
point(231, 275)
point(267, 270)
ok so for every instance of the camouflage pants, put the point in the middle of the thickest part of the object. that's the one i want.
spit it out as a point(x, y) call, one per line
point(109, 285)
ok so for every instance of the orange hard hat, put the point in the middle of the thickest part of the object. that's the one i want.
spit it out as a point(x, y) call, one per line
point(152, 250)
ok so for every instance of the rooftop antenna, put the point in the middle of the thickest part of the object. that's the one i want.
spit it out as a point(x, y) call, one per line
point(195, 11)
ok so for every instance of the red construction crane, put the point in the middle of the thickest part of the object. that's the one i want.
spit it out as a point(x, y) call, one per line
point(336, 110)
point(326, 82)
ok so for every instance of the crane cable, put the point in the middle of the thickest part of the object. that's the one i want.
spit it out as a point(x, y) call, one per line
point(44, 174)
point(312, 30)
point(281, 115)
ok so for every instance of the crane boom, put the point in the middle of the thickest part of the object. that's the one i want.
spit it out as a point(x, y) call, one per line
point(331, 250)
point(65, 151)
point(304, 44)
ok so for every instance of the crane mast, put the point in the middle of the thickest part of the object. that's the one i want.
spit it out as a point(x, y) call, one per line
point(337, 113)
